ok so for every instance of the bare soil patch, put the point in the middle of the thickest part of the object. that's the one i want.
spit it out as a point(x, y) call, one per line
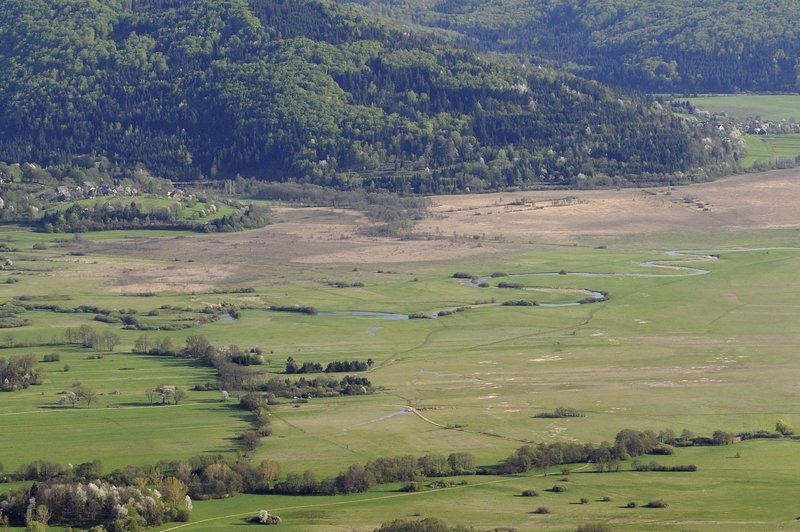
point(462, 226)
point(766, 200)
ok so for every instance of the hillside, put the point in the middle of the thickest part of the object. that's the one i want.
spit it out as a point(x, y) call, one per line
point(664, 46)
point(316, 91)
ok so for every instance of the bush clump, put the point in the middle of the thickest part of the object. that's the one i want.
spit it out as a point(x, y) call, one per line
point(542, 510)
point(558, 488)
point(657, 503)
point(520, 303)
point(530, 493)
point(264, 518)
point(52, 357)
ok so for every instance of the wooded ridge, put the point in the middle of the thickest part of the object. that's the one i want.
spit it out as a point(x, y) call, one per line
point(318, 92)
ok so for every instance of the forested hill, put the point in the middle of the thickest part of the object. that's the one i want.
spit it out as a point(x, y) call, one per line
point(316, 91)
point(650, 45)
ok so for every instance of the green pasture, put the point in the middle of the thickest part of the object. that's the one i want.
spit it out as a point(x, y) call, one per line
point(768, 148)
point(668, 350)
point(755, 491)
point(120, 427)
point(745, 106)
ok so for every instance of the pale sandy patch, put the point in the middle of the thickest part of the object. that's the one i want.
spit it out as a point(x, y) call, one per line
point(549, 358)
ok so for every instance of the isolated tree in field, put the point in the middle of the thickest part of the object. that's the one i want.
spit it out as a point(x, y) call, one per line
point(69, 397)
point(142, 344)
point(107, 341)
point(169, 392)
point(87, 395)
point(784, 428)
point(178, 395)
point(150, 393)
point(86, 336)
point(198, 346)
point(166, 391)
point(251, 440)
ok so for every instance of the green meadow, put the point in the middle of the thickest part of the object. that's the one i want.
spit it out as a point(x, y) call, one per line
point(753, 492)
point(672, 348)
point(744, 106)
point(766, 149)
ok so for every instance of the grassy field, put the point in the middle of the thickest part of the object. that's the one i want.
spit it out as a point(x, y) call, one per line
point(753, 492)
point(766, 149)
point(670, 349)
point(759, 149)
point(745, 106)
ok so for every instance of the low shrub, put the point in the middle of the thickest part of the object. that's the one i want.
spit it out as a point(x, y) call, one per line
point(542, 510)
point(657, 503)
point(411, 487)
point(530, 493)
point(663, 449)
point(520, 303)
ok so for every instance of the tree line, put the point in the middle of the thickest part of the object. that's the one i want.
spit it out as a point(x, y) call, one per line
point(337, 366)
point(79, 218)
point(628, 443)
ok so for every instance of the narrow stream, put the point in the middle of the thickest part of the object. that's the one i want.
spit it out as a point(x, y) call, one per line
point(587, 295)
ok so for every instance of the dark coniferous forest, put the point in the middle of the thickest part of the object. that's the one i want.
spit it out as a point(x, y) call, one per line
point(661, 46)
point(318, 92)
